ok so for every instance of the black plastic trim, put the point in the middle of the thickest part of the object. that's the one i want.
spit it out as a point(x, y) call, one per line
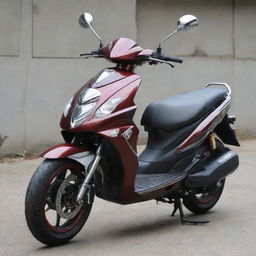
point(226, 133)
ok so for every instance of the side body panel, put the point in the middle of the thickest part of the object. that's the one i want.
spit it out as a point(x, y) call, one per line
point(206, 126)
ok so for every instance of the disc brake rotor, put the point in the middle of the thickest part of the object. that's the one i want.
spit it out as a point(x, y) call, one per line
point(66, 204)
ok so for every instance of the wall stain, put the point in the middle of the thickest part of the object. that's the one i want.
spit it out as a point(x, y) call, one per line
point(35, 9)
point(2, 139)
point(199, 53)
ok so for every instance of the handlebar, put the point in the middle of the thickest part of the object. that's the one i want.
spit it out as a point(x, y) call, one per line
point(95, 54)
point(165, 57)
point(156, 57)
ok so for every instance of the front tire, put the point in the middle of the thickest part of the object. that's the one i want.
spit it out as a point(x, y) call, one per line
point(52, 214)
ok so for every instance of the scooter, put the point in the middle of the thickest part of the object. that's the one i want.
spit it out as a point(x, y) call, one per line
point(185, 161)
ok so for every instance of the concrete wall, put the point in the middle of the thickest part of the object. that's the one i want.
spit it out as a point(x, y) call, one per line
point(41, 39)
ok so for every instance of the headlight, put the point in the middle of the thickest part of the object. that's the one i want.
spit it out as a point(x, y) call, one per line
point(67, 107)
point(85, 104)
point(107, 108)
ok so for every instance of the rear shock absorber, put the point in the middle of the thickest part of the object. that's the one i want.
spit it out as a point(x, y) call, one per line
point(212, 141)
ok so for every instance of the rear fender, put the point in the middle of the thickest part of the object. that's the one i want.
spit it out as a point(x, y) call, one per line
point(226, 133)
point(81, 155)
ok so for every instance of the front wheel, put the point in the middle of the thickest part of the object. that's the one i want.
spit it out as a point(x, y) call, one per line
point(51, 211)
point(204, 200)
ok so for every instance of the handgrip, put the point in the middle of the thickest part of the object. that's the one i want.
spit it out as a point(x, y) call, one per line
point(169, 58)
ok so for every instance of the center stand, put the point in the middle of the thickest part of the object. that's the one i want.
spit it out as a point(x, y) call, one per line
point(178, 206)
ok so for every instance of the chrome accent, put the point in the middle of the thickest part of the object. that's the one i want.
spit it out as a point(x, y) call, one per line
point(222, 84)
point(87, 179)
point(89, 95)
point(104, 74)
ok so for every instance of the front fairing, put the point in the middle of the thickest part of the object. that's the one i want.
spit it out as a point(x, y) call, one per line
point(111, 82)
point(124, 50)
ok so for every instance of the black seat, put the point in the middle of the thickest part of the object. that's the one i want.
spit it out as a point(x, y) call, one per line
point(181, 110)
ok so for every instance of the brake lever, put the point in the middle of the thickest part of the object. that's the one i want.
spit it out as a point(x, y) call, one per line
point(161, 61)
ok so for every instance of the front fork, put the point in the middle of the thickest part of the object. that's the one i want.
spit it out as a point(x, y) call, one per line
point(90, 173)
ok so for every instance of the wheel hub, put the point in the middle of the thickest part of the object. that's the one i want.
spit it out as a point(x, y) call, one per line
point(66, 204)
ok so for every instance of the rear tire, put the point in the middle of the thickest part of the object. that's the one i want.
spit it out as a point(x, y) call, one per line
point(45, 201)
point(202, 202)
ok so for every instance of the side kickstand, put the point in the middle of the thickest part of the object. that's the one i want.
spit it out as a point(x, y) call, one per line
point(178, 206)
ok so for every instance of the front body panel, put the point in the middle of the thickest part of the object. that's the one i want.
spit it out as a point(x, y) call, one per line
point(108, 88)
point(119, 84)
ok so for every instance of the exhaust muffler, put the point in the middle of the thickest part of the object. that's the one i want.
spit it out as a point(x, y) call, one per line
point(213, 170)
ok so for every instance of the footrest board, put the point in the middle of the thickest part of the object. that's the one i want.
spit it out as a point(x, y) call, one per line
point(151, 182)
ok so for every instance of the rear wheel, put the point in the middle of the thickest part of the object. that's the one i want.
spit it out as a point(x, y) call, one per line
point(203, 201)
point(51, 211)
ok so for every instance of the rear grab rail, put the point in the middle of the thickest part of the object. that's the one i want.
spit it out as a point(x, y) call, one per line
point(222, 84)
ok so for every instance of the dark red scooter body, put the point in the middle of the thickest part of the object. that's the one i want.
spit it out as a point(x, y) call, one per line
point(122, 82)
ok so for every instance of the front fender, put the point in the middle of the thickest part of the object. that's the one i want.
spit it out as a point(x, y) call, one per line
point(62, 151)
point(66, 150)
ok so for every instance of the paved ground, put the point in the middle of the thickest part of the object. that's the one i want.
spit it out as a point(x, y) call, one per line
point(140, 229)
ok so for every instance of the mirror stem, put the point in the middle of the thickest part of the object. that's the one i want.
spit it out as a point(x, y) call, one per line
point(166, 38)
point(95, 33)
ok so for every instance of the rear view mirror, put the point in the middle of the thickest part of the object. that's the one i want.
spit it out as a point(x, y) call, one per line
point(187, 22)
point(85, 20)
point(184, 23)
